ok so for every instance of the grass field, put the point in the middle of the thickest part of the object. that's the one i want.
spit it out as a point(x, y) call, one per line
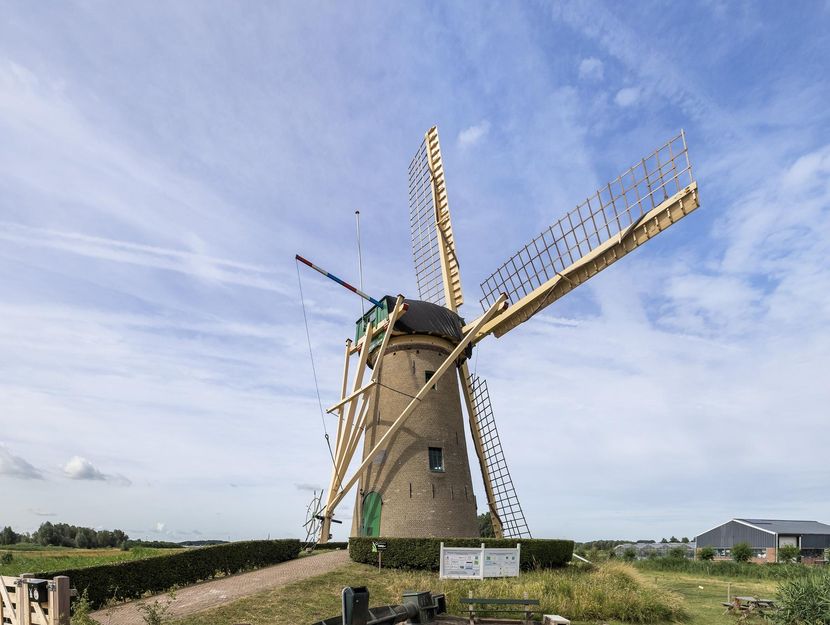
point(560, 591)
point(33, 559)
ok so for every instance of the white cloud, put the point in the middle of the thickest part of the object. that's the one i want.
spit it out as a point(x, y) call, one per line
point(627, 96)
point(17, 467)
point(591, 69)
point(160, 526)
point(79, 468)
point(472, 135)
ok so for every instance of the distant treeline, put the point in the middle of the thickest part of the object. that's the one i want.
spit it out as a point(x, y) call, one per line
point(164, 544)
point(65, 535)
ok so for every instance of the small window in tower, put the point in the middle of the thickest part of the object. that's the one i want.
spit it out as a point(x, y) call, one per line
point(428, 376)
point(436, 459)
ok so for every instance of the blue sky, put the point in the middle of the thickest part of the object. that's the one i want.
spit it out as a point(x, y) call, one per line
point(161, 165)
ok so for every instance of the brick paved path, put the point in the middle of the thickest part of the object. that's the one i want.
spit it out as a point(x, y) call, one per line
point(220, 591)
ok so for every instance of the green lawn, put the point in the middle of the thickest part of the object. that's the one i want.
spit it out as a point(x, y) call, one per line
point(30, 559)
point(313, 599)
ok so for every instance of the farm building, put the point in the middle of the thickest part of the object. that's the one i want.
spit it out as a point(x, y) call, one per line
point(644, 550)
point(766, 536)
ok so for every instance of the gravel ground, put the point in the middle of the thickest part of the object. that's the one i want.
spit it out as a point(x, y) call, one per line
point(221, 591)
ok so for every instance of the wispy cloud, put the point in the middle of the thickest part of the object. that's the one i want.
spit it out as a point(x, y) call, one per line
point(17, 467)
point(627, 96)
point(472, 135)
point(197, 265)
point(591, 69)
point(79, 468)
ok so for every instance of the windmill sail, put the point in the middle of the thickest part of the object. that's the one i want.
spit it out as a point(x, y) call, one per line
point(498, 483)
point(625, 213)
point(433, 244)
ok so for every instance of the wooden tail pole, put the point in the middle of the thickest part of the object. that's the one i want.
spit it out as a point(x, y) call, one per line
point(331, 276)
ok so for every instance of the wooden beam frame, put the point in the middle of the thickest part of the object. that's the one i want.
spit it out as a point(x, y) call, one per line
point(349, 428)
point(439, 373)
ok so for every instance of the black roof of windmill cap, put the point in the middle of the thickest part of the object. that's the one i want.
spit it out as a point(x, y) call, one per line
point(428, 318)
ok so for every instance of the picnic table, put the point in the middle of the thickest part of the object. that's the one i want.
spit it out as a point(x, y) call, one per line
point(746, 605)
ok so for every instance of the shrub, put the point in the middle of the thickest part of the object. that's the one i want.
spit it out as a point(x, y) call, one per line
point(630, 554)
point(804, 601)
point(788, 553)
point(424, 553)
point(707, 554)
point(678, 553)
point(742, 552)
point(331, 545)
point(81, 611)
point(726, 568)
point(7, 558)
point(131, 580)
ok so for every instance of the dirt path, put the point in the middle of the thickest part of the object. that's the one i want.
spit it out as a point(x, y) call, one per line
point(220, 591)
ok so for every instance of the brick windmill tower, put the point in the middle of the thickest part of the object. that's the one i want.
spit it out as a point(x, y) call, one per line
point(413, 477)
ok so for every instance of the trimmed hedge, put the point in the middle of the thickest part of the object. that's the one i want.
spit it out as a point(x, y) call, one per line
point(424, 553)
point(331, 545)
point(131, 580)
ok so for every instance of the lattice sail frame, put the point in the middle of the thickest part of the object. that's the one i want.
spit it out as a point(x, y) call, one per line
point(593, 227)
point(505, 499)
point(433, 244)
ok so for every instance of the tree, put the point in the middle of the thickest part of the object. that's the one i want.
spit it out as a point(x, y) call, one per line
point(630, 554)
point(8, 536)
point(788, 553)
point(706, 553)
point(663, 540)
point(677, 553)
point(674, 539)
point(685, 540)
point(485, 526)
point(742, 552)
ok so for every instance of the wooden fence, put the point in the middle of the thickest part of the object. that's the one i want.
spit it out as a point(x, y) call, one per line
point(18, 608)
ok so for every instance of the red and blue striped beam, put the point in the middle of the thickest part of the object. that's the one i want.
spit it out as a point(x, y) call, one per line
point(336, 279)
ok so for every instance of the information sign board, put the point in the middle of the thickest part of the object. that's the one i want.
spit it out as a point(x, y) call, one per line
point(499, 562)
point(461, 562)
point(479, 562)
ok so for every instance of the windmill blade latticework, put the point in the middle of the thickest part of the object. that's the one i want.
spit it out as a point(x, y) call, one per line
point(641, 202)
point(433, 244)
point(504, 494)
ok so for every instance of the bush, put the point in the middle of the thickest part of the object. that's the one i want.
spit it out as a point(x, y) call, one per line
point(331, 545)
point(707, 554)
point(742, 552)
point(788, 553)
point(630, 554)
point(131, 580)
point(7, 558)
point(424, 553)
point(804, 601)
point(726, 568)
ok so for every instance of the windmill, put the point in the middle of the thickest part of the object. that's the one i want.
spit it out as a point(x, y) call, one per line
point(414, 476)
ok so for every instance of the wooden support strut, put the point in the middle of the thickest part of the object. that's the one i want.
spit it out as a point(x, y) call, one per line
point(348, 433)
point(450, 360)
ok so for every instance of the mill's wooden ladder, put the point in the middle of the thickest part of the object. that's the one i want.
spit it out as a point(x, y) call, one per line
point(504, 494)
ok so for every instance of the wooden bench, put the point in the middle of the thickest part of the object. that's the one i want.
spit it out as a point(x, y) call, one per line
point(505, 606)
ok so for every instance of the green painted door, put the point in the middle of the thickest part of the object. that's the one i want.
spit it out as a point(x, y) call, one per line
point(371, 514)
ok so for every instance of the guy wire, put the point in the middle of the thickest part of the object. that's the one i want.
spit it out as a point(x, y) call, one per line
point(313, 368)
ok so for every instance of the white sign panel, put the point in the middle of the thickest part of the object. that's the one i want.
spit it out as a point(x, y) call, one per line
point(461, 562)
point(502, 562)
point(479, 562)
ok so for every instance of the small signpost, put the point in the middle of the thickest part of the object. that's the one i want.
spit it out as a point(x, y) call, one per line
point(479, 562)
point(379, 546)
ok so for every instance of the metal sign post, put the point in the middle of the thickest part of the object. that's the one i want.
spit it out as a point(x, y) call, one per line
point(379, 547)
